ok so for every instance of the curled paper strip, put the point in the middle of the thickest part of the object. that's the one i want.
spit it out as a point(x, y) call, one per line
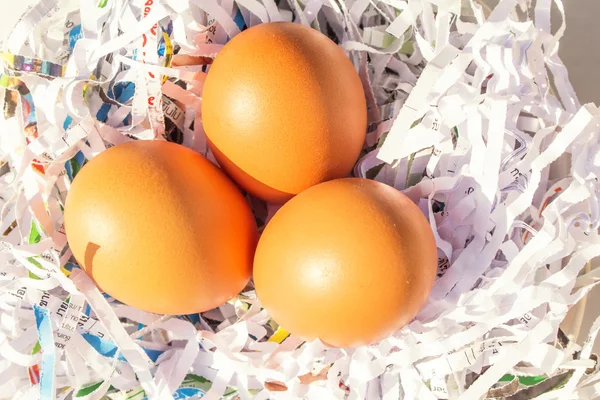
point(464, 117)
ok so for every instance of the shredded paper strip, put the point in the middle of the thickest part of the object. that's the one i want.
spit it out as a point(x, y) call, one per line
point(471, 114)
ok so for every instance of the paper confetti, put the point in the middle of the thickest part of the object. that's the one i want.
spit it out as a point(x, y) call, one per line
point(471, 114)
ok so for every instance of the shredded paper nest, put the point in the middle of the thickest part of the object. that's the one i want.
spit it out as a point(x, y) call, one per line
point(471, 114)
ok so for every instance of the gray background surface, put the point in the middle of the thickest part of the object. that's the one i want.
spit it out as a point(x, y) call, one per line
point(579, 48)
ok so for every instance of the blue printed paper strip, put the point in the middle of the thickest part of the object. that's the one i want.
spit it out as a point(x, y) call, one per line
point(186, 393)
point(46, 339)
point(108, 348)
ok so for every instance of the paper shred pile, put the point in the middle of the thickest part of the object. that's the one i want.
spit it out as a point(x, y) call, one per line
point(471, 114)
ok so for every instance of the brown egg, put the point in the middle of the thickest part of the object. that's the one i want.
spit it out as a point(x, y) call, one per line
point(348, 261)
point(283, 109)
point(160, 228)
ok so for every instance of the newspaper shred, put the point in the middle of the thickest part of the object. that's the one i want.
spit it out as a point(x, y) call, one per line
point(471, 114)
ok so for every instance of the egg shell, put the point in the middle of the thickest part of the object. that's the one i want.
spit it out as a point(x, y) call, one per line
point(160, 228)
point(284, 109)
point(349, 261)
